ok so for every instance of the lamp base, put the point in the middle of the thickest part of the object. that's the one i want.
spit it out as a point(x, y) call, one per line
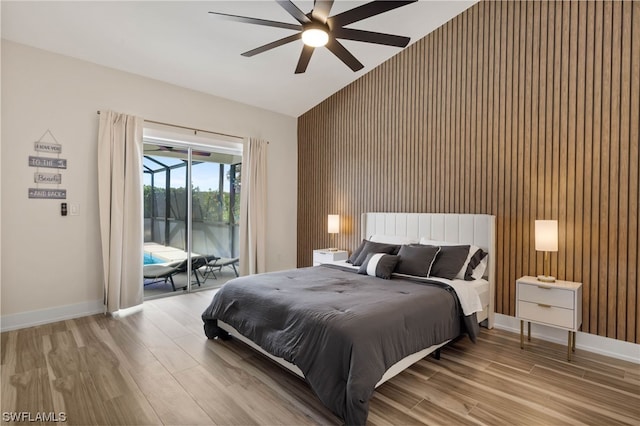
point(332, 249)
point(546, 279)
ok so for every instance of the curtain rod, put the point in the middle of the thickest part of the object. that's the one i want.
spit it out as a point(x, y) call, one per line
point(189, 128)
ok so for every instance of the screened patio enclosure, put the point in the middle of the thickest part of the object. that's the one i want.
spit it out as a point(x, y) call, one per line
point(214, 183)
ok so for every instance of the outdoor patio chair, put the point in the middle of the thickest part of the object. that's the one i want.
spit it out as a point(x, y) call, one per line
point(215, 263)
point(166, 272)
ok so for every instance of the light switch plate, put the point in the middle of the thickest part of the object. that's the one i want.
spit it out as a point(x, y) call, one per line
point(74, 209)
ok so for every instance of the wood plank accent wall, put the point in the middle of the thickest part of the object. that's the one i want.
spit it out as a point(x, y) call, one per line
point(524, 110)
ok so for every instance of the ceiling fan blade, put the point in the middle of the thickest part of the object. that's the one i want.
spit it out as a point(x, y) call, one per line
point(365, 11)
point(271, 45)
point(256, 21)
point(343, 54)
point(321, 9)
point(294, 11)
point(371, 37)
point(305, 56)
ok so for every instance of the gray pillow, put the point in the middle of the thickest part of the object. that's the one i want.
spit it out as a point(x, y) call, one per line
point(371, 247)
point(449, 261)
point(379, 265)
point(356, 252)
point(416, 259)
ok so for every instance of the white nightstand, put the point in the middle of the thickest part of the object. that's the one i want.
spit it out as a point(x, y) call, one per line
point(325, 256)
point(557, 304)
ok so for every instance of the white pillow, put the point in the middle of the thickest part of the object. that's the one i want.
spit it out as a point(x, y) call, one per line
point(472, 250)
point(393, 239)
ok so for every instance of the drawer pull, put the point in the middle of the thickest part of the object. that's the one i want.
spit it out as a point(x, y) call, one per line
point(542, 305)
point(544, 288)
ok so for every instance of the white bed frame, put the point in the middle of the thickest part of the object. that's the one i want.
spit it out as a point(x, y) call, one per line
point(476, 229)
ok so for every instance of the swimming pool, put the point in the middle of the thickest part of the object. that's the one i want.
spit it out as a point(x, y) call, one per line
point(150, 259)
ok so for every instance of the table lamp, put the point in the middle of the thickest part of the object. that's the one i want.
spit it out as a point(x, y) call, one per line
point(333, 227)
point(546, 234)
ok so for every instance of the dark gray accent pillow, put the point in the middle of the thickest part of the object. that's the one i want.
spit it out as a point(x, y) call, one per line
point(449, 261)
point(473, 263)
point(356, 252)
point(417, 259)
point(378, 265)
point(371, 247)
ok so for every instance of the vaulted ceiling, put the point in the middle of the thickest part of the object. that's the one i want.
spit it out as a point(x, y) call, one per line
point(179, 42)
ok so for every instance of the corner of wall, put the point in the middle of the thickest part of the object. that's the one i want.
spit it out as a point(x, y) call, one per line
point(0, 176)
point(46, 316)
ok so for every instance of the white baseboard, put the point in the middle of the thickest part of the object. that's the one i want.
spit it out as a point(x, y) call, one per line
point(589, 342)
point(45, 316)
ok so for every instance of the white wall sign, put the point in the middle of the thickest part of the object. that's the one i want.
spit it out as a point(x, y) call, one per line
point(53, 148)
point(58, 194)
point(52, 163)
point(47, 178)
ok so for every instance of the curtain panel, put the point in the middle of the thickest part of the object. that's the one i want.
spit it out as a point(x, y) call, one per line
point(253, 207)
point(120, 200)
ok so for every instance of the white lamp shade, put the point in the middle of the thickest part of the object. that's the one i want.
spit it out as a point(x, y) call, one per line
point(333, 224)
point(546, 235)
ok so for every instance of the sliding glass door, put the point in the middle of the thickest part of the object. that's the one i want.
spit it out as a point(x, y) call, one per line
point(191, 206)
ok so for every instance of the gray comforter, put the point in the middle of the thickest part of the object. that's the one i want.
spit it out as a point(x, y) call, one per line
point(343, 330)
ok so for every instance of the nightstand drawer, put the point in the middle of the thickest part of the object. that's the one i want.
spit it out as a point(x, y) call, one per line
point(545, 295)
point(545, 314)
point(325, 256)
point(322, 256)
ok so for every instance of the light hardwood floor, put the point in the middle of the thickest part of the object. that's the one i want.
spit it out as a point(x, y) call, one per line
point(157, 367)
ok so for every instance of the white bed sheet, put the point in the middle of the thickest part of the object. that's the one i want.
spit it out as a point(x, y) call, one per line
point(469, 293)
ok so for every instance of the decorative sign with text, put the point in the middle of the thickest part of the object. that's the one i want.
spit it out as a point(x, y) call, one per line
point(56, 194)
point(47, 178)
point(53, 148)
point(52, 163)
point(44, 147)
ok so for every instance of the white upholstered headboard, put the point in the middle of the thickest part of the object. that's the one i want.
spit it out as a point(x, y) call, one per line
point(476, 229)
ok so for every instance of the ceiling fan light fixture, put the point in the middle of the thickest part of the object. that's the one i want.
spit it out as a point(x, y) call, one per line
point(319, 28)
point(315, 36)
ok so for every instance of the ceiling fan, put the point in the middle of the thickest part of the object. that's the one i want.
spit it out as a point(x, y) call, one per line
point(317, 29)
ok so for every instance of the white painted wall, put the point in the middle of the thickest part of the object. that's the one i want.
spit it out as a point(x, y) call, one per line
point(51, 265)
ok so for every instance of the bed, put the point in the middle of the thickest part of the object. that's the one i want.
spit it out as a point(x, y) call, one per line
point(476, 229)
point(346, 333)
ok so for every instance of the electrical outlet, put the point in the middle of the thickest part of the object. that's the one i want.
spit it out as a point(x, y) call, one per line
point(74, 209)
